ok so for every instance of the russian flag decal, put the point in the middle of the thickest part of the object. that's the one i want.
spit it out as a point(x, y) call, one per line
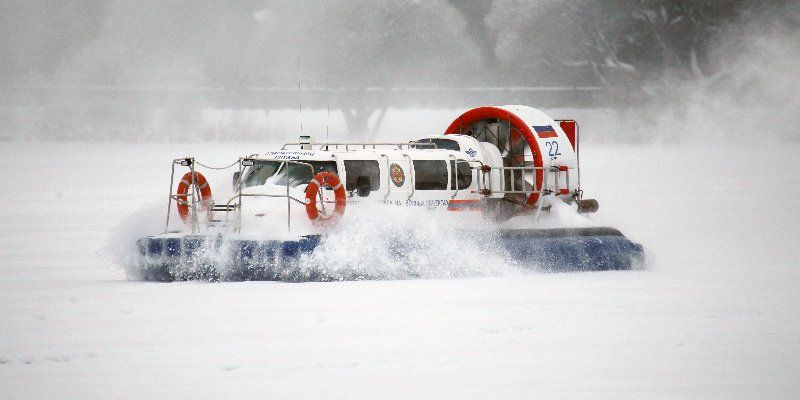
point(545, 132)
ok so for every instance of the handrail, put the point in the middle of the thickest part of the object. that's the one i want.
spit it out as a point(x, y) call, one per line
point(542, 190)
point(195, 194)
point(336, 145)
point(388, 177)
point(289, 198)
point(235, 203)
point(540, 200)
point(194, 202)
point(453, 178)
point(236, 199)
point(411, 173)
point(471, 169)
point(169, 200)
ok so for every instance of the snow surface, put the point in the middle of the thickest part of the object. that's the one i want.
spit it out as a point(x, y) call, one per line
point(714, 316)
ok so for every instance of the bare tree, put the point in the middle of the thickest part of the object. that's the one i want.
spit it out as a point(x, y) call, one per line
point(619, 43)
point(359, 50)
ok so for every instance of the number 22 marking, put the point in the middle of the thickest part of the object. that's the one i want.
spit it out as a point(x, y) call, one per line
point(552, 148)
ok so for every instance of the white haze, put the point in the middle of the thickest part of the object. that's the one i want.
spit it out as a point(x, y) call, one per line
point(752, 99)
point(153, 44)
point(706, 180)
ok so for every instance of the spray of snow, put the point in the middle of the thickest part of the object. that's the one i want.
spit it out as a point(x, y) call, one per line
point(120, 249)
point(559, 215)
point(371, 241)
point(404, 242)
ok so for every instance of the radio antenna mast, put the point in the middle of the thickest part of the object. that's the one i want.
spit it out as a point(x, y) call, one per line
point(299, 97)
point(328, 123)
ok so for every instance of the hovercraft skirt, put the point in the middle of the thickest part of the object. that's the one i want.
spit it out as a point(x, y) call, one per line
point(195, 257)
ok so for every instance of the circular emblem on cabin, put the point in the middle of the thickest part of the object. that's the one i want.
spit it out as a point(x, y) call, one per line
point(397, 174)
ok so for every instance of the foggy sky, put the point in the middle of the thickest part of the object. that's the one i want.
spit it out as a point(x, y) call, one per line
point(694, 51)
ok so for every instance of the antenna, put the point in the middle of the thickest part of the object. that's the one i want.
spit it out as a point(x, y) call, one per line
point(299, 98)
point(328, 122)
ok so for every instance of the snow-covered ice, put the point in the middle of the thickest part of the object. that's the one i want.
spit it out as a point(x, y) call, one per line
point(715, 315)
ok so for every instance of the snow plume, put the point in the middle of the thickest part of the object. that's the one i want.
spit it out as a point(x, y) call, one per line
point(751, 97)
point(558, 215)
point(120, 249)
point(372, 241)
point(405, 242)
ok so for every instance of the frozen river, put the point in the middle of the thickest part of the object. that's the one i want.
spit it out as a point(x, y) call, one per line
point(716, 314)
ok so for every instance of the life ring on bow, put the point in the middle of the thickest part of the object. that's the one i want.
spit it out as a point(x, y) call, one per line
point(330, 180)
point(182, 197)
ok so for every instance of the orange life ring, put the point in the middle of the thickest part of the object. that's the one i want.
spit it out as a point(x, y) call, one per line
point(328, 179)
point(183, 188)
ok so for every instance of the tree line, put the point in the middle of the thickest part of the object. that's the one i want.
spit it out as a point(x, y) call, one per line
point(624, 45)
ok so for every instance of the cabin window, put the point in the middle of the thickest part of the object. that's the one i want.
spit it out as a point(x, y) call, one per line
point(279, 173)
point(445, 144)
point(261, 170)
point(460, 173)
point(430, 175)
point(362, 168)
point(299, 174)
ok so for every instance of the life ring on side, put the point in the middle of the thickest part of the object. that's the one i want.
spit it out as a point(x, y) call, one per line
point(328, 179)
point(183, 190)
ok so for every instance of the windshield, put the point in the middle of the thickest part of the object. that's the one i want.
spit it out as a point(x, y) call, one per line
point(278, 172)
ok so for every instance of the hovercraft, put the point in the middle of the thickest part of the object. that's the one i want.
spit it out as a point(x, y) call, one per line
point(511, 165)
